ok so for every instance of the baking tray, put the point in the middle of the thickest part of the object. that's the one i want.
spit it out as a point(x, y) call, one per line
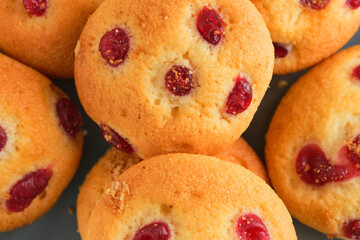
point(60, 222)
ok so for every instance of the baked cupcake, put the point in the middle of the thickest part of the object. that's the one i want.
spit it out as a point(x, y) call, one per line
point(114, 163)
point(182, 196)
point(312, 147)
point(304, 32)
point(43, 33)
point(173, 76)
point(40, 144)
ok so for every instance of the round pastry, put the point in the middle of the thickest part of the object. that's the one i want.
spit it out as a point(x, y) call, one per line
point(312, 149)
point(304, 32)
point(43, 33)
point(183, 196)
point(40, 144)
point(162, 76)
point(114, 163)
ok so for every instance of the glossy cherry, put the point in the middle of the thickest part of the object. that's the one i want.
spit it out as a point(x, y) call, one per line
point(179, 80)
point(315, 4)
point(210, 25)
point(281, 50)
point(27, 189)
point(69, 116)
point(356, 73)
point(114, 47)
point(240, 97)
point(153, 231)
point(251, 227)
point(353, 4)
point(352, 229)
point(36, 8)
point(114, 139)
point(3, 138)
point(314, 168)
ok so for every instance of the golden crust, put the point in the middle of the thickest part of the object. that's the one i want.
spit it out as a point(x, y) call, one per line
point(321, 108)
point(45, 43)
point(314, 34)
point(114, 162)
point(163, 33)
point(109, 167)
point(199, 197)
point(241, 153)
point(35, 140)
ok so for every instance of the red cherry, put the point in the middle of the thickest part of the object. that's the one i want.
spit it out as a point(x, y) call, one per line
point(240, 97)
point(153, 231)
point(35, 8)
point(27, 189)
point(210, 25)
point(314, 168)
point(114, 47)
point(114, 139)
point(179, 80)
point(281, 50)
point(356, 73)
point(3, 139)
point(69, 116)
point(251, 227)
point(353, 4)
point(315, 4)
point(352, 229)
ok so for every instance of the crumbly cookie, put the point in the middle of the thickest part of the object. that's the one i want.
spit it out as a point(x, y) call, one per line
point(304, 32)
point(164, 76)
point(43, 33)
point(312, 147)
point(40, 144)
point(114, 163)
point(183, 196)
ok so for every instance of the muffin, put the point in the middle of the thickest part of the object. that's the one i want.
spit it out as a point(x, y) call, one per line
point(40, 144)
point(43, 33)
point(114, 163)
point(173, 76)
point(304, 32)
point(312, 147)
point(183, 196)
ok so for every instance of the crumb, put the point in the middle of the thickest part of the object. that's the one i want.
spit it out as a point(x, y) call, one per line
point(71, 210)
point(354, 147)
point(118, 192)
point(6, 195)
point(282, 83)
point(85, 132)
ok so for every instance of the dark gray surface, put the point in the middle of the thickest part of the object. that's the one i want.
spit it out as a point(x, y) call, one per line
point(59, 224)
